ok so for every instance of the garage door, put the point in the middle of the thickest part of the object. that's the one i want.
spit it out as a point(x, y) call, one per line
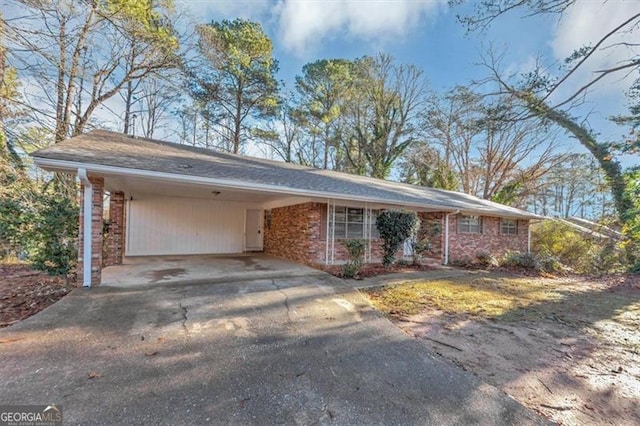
point(160, 226)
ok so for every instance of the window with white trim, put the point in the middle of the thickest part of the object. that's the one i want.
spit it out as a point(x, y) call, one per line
point(349, 223)
point(509, 226)
point(470, 225)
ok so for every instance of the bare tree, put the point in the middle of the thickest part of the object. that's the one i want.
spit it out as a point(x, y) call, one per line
point(80, 54)
point(494, 158)
point(383, 112)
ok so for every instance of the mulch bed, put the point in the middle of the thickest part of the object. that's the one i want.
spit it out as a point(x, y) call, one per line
point(24, 292)
point(375, 269)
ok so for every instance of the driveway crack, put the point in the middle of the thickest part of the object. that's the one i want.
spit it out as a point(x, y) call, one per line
point(286, 299)
point(185, 317)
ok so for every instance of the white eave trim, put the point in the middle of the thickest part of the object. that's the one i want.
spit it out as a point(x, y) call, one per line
point(72, 167)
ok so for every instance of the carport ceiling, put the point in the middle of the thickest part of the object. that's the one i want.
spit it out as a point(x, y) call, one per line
point(143, 187)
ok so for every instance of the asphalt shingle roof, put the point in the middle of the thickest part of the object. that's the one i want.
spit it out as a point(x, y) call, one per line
point(105, 148)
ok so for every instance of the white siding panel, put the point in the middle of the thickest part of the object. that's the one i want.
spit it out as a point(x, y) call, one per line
point(159, 226)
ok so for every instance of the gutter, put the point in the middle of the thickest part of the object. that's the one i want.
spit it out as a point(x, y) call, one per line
point(87, 210)
point(446, 236)
point(231, 184)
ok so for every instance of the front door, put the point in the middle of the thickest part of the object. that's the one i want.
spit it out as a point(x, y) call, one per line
point(254, 230)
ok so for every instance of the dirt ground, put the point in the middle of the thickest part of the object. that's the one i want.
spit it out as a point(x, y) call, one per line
point(567, 348)
point(24, 292)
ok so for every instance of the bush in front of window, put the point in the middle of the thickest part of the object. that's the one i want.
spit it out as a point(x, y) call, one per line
point(355, 250)
point(486, 259)
point(394, 227)
point(419, 249)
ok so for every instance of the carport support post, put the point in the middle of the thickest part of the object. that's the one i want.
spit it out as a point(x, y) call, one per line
point(446, 236)
point(90, 238)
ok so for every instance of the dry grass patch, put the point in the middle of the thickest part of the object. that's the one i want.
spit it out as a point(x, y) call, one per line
point(567, 348)
point(486, 296)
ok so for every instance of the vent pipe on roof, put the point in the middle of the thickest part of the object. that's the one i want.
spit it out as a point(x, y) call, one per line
point(87, 208)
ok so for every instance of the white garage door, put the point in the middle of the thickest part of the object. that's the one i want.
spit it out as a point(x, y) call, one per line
point(160, 226)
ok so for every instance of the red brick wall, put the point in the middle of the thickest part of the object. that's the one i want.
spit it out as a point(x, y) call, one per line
point(96, 225)
point(430, 222)
point(293, 232)
point(490, 241)
point(114, 249)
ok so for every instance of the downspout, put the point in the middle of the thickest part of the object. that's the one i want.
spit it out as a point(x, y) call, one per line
point(446, 236)
point(86, 234)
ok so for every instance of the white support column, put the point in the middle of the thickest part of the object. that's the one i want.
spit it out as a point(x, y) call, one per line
point(87, 227)
point(326, 248)
point(446, 239)
point(446, 236)
point(529, 238)
point(333, 230)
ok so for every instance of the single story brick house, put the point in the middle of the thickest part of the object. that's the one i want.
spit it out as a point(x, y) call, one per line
point(170, 199)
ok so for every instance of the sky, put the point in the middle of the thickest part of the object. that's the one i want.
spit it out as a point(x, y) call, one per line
point(426, 33)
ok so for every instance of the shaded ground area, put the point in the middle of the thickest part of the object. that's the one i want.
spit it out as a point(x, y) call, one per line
point(24, 292)
point(296, 350)
point(566, 348)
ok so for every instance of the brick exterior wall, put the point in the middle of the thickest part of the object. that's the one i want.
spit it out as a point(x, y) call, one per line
point(293, 232)
point(432, 229)
point(114, 246)
point(490, 241)
point(96, 232)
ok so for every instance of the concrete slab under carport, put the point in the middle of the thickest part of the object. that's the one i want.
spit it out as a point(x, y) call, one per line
point(144, 270)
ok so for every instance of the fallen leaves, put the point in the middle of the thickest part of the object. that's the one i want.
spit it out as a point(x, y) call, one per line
point(24, 292)
point(93, 375)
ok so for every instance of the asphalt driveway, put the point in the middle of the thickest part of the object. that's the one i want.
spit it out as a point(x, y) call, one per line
point(297, 350)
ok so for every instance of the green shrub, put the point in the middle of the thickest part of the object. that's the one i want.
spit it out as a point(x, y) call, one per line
point(574, 250)
point(54, 236)
point(418, 249)
point(395, 226)
point(355, 250)
point(486, 259)
point(520, 260)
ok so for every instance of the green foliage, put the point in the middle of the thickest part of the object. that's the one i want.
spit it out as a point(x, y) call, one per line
point(324, 91)
point(418, 249)
point(395, 226)
point(424, 166)
point(520, 260)
point(55, 233)
point(556, 243)
point(355, 250)
point(631, 223)
point(41, 228)
point(145, 19)
point(236, 81)
point(387, 100)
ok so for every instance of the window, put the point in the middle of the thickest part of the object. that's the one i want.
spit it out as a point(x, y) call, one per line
point(350, 223)
point(509, 227)
point(470, 225)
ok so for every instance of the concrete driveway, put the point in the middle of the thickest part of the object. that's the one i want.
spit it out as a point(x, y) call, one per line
point(297, 350)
